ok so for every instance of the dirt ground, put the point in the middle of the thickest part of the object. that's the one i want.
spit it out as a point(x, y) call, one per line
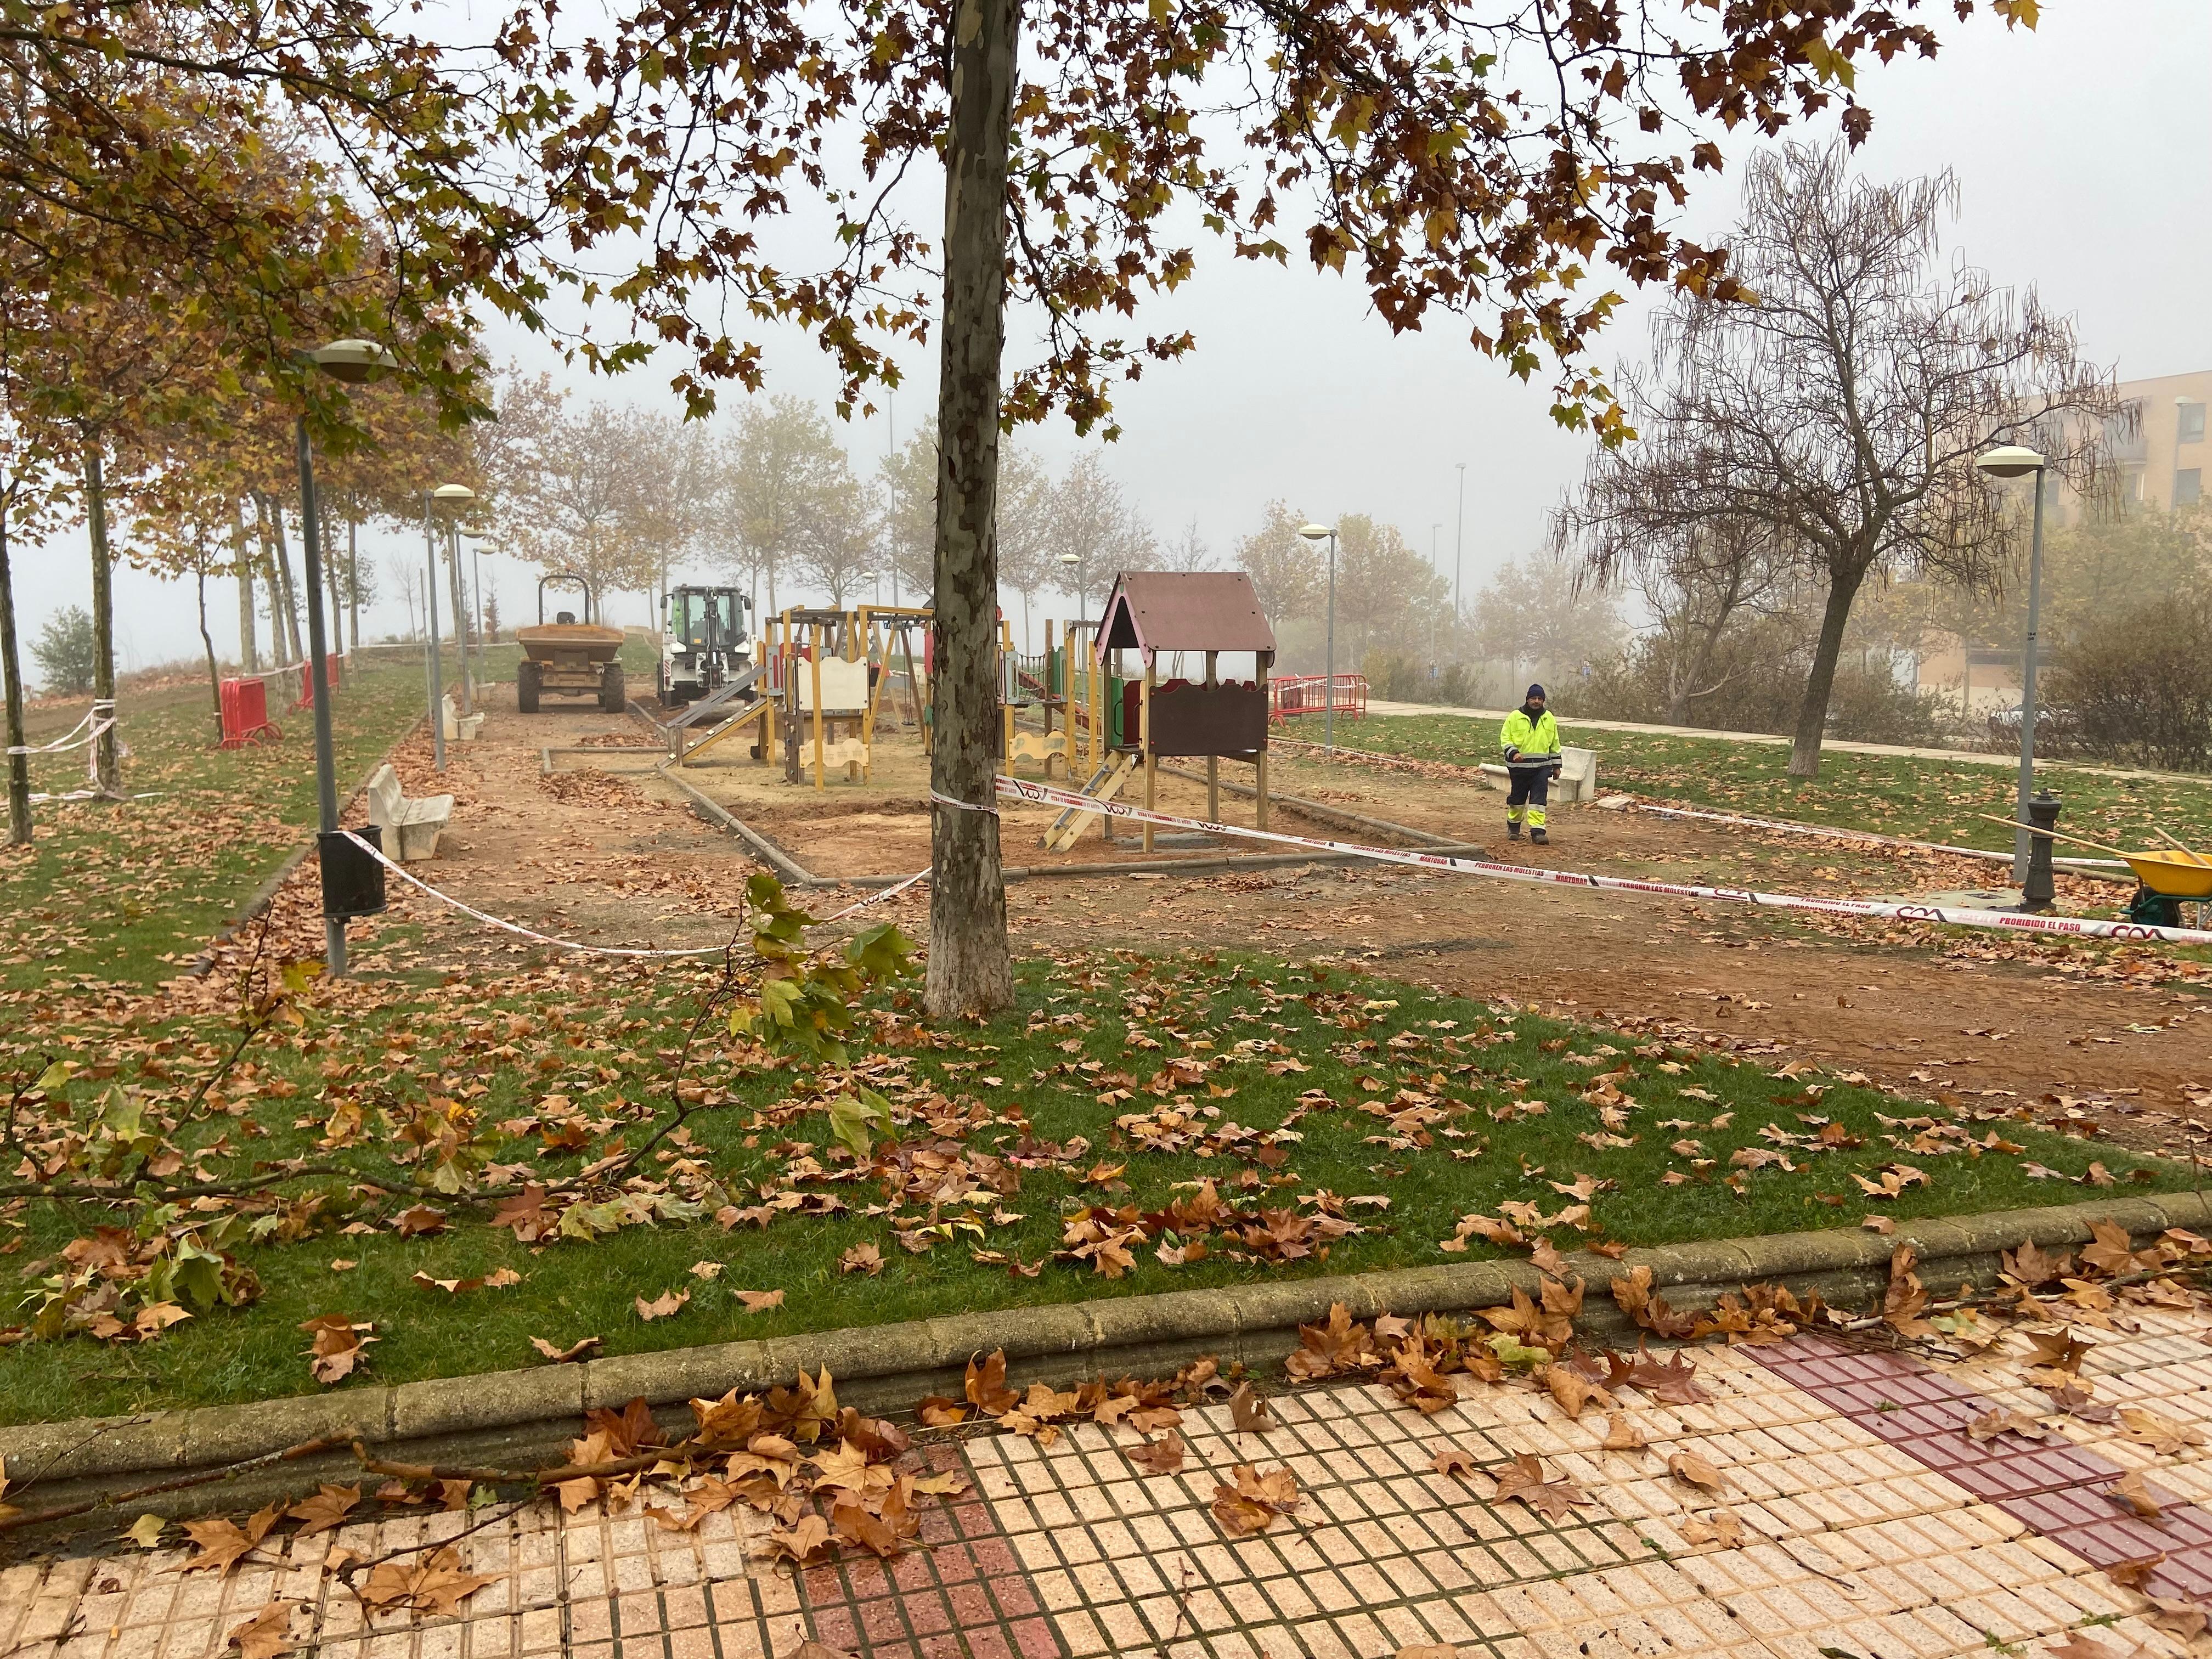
point(605, 853)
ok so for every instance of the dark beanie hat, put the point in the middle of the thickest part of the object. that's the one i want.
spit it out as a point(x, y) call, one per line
point(1535, 691)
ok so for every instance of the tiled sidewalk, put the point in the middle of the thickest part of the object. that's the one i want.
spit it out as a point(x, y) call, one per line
point(1872, 1527)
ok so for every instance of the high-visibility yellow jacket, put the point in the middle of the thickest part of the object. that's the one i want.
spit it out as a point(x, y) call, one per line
point(1526, 741)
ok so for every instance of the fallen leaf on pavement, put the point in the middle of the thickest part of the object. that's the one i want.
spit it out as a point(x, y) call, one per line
point(1160, 1456)
point(797, 1542)
point(326, 1509)
point(2162, 1435)
point(1428, 1651)
point(267, 1634)
point(1451, 1459)
point(1252, 1504)
point(1997, 1420)
point(146, 1531)
point(2135, 1574)
point(436, 1583)
point(1248, 1411)
point(2059, 1350)
point(2183, 1618)
point(1697, 1471)
point(1524, 1480)
point(1720, 1528)
point(1573, 1391)
point(2144, 1500)
point(222, 1541)
point(1620, 1434)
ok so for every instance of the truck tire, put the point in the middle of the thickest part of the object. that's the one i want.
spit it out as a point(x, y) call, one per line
point(612, 700)
point(525, 686)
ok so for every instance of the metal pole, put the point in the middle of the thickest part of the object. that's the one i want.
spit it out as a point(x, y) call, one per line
point(462, 606)
point(319, 678)
point(1459, 539)
point(1329, 698)
point(2022, 838)
point(437, 677)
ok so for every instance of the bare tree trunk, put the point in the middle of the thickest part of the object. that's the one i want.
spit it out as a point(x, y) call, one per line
point(331, 571)
point(207, 640)
point(108, 763)
point(279, 562)
point(353, 571)
point(1813, 713)
point(249, 651)
point(19, 766)
point(971, 971)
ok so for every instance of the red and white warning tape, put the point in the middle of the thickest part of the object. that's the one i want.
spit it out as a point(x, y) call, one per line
point(1829, 832)
point(2009, 922)
point(517, 928)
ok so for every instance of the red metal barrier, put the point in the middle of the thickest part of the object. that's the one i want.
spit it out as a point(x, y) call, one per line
point(245, 714)
point(331, 664)
point(1316, 694)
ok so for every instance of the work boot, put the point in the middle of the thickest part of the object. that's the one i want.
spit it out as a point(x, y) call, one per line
point(1512, 830)
point(1537, 837)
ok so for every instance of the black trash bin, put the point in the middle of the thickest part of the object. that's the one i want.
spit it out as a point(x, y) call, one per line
point(353, 882)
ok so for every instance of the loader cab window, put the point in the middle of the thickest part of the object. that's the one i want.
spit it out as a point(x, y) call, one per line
point(696, 613)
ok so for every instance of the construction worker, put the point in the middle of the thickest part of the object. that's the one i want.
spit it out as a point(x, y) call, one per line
point(1531, 737)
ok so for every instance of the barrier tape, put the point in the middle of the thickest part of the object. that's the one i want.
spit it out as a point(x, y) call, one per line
point(101, 723)
point(1044, 794)
point(516, 927)
point(1830, 832)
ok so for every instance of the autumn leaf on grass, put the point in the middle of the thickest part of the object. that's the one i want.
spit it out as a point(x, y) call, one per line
point(326, 1509)
point(1160, 1456)
point(986, 1385)
point(1997, 1420)
point(1524, 1479)
point(267, 1634)
point(1250, 1413)
point(1697, 1471)
point(1451, 1459)
point(2162, 1435)
point(861, 1259)
point(419, 1222)
point(1252, 1504)
point(759, 1301)
point(222, 1541)
point(563, 1356)
point(1620, 1435)
point(1721, 1528)
point(2142, 1499)
point(667, 1302)
point(432, 1584)
point(337, 1347)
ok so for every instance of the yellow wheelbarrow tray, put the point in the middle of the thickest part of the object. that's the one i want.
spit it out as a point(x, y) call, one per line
point(2171, 875)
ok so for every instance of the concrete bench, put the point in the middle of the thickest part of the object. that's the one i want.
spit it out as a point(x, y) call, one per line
point(459, 727)
point(410, 827)
point(1577, 779)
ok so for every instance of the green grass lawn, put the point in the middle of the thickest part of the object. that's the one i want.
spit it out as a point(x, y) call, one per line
point(1117, 1087)
point(1924, 800)
point(130, 892)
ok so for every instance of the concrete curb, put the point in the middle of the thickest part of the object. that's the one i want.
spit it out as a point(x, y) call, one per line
point(529, 1415)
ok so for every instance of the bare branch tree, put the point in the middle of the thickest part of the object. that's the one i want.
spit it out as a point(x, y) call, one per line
point(1837, 418)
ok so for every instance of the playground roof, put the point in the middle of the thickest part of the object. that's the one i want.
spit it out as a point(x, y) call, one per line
point(1157, 610)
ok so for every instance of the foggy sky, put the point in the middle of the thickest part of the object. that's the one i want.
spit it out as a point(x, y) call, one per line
point(2081, 151)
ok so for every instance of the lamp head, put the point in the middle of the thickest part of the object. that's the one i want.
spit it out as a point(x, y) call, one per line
point(354, 362)
point(868, 576)
point(1316, 532)
point(1071, 559)
point(2009, 461)
point(453, 495)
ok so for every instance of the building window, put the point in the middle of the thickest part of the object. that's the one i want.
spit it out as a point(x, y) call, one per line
point(2188, 486)
point(2192, 422)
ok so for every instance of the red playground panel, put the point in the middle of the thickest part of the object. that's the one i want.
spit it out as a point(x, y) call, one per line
point(245, 714)
point(1316, 694)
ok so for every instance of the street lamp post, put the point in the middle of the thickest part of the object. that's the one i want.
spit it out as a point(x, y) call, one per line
point(1459, 539)
point(464, 610)
point(1314, 532)
point(354, 362)
point(1082, 603)
point(2012, 461)
point(431, 499)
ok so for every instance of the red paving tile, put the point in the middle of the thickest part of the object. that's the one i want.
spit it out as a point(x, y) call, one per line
point(2058, 1488)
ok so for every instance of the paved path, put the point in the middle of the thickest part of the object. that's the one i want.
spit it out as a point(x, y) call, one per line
point(1965, 756)
point(1872, 1527)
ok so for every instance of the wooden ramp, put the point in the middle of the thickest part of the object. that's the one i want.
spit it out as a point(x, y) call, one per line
point(1119, 768)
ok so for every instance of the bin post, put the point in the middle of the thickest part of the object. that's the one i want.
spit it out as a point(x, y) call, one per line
point(2038, 892)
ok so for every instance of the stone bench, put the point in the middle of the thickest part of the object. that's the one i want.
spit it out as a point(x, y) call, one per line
point(459, 727)
point(1577, 779)
point(410, 827)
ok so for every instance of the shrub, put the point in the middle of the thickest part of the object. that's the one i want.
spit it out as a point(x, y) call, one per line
point(2139, 684)
point(65, 651)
